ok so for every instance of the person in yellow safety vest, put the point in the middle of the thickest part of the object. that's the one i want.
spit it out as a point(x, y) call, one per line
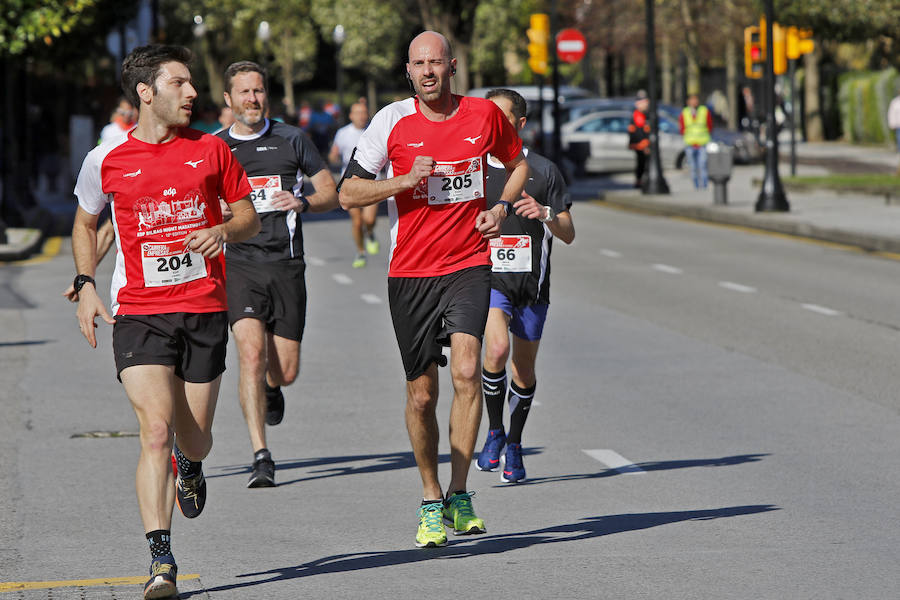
point(696, 124)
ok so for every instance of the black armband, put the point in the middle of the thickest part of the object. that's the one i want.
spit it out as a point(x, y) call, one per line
point(354, 169)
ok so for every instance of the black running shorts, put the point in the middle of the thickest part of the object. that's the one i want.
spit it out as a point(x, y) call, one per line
point(426, 310)
point(274, 293)
point(194, 343)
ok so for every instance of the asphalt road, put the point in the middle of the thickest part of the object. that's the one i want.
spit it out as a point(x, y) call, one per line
point(717, 417)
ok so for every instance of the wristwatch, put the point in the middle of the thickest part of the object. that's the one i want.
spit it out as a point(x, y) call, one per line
point(551, 214)
point(305, 203)
point(80, 280)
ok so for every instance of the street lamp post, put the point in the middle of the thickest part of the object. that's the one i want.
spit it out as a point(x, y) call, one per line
point(655, 183)
point(772, 197)
point(339, 36)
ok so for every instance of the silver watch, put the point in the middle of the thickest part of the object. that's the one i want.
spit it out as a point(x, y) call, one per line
point(551, 214)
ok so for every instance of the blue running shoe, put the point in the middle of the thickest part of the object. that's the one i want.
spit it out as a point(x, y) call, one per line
point(514, 469)
point(489, 457)
point(161, 584)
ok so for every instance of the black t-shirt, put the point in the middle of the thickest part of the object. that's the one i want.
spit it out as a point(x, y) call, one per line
point(547, 186)
point(275, 159)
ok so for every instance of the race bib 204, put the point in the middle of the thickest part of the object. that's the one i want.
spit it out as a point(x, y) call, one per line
point(456, 181)
point(170, 263)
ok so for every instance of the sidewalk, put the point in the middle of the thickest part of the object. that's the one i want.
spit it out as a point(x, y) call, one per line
point(862, 220)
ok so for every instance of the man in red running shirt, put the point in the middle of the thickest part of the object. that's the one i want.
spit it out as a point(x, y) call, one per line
point(436, 144)
point(163, 182)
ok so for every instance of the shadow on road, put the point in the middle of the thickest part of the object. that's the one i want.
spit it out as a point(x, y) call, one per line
point(588, 528)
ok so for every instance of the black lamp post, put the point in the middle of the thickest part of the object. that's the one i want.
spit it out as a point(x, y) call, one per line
point(339, 36)
point(654, 183)
point(772, 197)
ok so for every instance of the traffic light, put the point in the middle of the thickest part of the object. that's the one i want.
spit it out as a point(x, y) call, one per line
point(779, 50)
point(754, 57)
point(799, 42)
point(538, 37)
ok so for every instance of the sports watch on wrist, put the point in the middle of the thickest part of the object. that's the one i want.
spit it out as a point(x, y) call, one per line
point(551, 214)
point(80, 280)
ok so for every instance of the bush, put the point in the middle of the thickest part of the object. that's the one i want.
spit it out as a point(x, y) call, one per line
point(863, 99)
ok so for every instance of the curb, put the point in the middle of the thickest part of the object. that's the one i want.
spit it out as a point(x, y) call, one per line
point(773, 222)
point(21, 243)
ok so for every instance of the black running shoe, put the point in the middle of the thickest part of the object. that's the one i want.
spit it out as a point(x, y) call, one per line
point(274, 405)
point(161, 584)
point(263, 474)
point(190, 493)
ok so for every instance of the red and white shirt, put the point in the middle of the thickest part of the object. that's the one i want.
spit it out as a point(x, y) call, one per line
point(433, 225)
point(158, 194)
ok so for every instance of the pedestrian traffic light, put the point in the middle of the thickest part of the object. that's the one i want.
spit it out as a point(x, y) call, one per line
point(538, 37)
point(754, 57)
point(799, 42)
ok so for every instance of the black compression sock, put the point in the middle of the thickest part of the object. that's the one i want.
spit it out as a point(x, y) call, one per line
point(160, 542)
point(186, 467)
point(494, 387)
point(519, 405)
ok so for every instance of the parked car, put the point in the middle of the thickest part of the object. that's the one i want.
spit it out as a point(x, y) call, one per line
point(602, 138)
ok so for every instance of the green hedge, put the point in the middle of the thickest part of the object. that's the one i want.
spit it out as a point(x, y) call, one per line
point(863, 98)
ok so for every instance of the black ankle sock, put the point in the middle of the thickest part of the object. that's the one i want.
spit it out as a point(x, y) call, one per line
point(494, 387)
point(519, 405)
point(272, 389)
point(160, 542)
point(262, 453)
point(427, 502)
point(186, 467)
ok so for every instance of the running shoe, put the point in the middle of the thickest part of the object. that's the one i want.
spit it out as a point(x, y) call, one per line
point(431, 533)
point(274, 405)
point(489, 457)
point(263, 470)
point(459, 514)
point(190, 493)
point(161, 584)
point(360, 261)
point(513, 467)
point(372, 246)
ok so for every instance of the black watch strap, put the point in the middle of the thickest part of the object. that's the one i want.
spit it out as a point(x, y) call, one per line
point(80, 280)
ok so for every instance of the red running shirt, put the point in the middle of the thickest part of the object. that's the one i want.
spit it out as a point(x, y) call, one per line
point(158, 194)
point(433, 225)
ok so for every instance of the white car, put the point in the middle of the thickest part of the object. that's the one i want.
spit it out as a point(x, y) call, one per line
point(600, 141)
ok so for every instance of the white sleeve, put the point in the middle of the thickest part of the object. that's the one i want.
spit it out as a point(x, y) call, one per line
point(89, 187)
point(372, 147)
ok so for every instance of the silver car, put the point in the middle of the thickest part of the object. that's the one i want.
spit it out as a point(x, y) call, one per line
point(598, 142)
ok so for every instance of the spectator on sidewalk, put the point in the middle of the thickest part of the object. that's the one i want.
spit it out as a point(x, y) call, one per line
point(639, 135)
point(893, 118)
point(696, 124)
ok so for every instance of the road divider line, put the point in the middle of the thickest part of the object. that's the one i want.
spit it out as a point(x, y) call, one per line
point(668, 269)
point(615, 461)
point(370, 299)
point(315, 261)
point(737, 287)
point(822, 310)
point(342, 279)
point(14, 586)
point(610, 253)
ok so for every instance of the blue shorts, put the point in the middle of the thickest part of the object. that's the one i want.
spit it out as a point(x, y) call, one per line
point(526, 322)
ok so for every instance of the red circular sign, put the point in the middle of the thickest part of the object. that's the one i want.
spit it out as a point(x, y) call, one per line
point(570, 45)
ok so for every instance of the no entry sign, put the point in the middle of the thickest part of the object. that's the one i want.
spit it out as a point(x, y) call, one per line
point(570, 45)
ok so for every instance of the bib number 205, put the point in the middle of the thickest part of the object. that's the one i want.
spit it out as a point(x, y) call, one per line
point(460, 182)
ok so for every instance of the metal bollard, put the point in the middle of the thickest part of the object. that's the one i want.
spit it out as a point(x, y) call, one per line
point(720, 159)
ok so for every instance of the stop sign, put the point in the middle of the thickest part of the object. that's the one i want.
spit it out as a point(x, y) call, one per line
point(570, 45)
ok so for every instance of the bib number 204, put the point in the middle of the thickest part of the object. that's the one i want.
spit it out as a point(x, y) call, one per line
point(173, 263)
point(460, 182)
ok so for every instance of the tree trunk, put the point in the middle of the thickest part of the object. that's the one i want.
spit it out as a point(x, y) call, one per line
point(213, 72)
point(692, 45)
point(665, 64)
point(812, 105)
point(461, 79)
point(287, 73)
point(731, 82)
point(372, 94)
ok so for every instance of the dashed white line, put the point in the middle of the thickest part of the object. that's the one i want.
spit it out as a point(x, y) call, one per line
point(610, 253)
point(315, 261)
point(822, 310)
point(615, 461)
point(737, 287)
point(370, 299)
point(342, 279)
point(668, 269)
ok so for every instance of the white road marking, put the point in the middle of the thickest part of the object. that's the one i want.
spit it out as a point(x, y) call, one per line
point(610, 253)
point(342, 279)
point(616, 461)
point(737, 287)
point(822, 310)
point(668, 269)
point(370, 299)
point(315, 261)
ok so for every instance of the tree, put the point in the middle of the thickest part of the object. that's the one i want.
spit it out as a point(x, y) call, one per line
point(455, 19)
point(24, 23)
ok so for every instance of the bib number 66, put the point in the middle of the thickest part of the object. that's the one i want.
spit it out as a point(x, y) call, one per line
point(506, 254)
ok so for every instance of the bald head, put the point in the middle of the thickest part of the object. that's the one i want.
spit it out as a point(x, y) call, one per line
point(433, 41)
point(430, 66)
